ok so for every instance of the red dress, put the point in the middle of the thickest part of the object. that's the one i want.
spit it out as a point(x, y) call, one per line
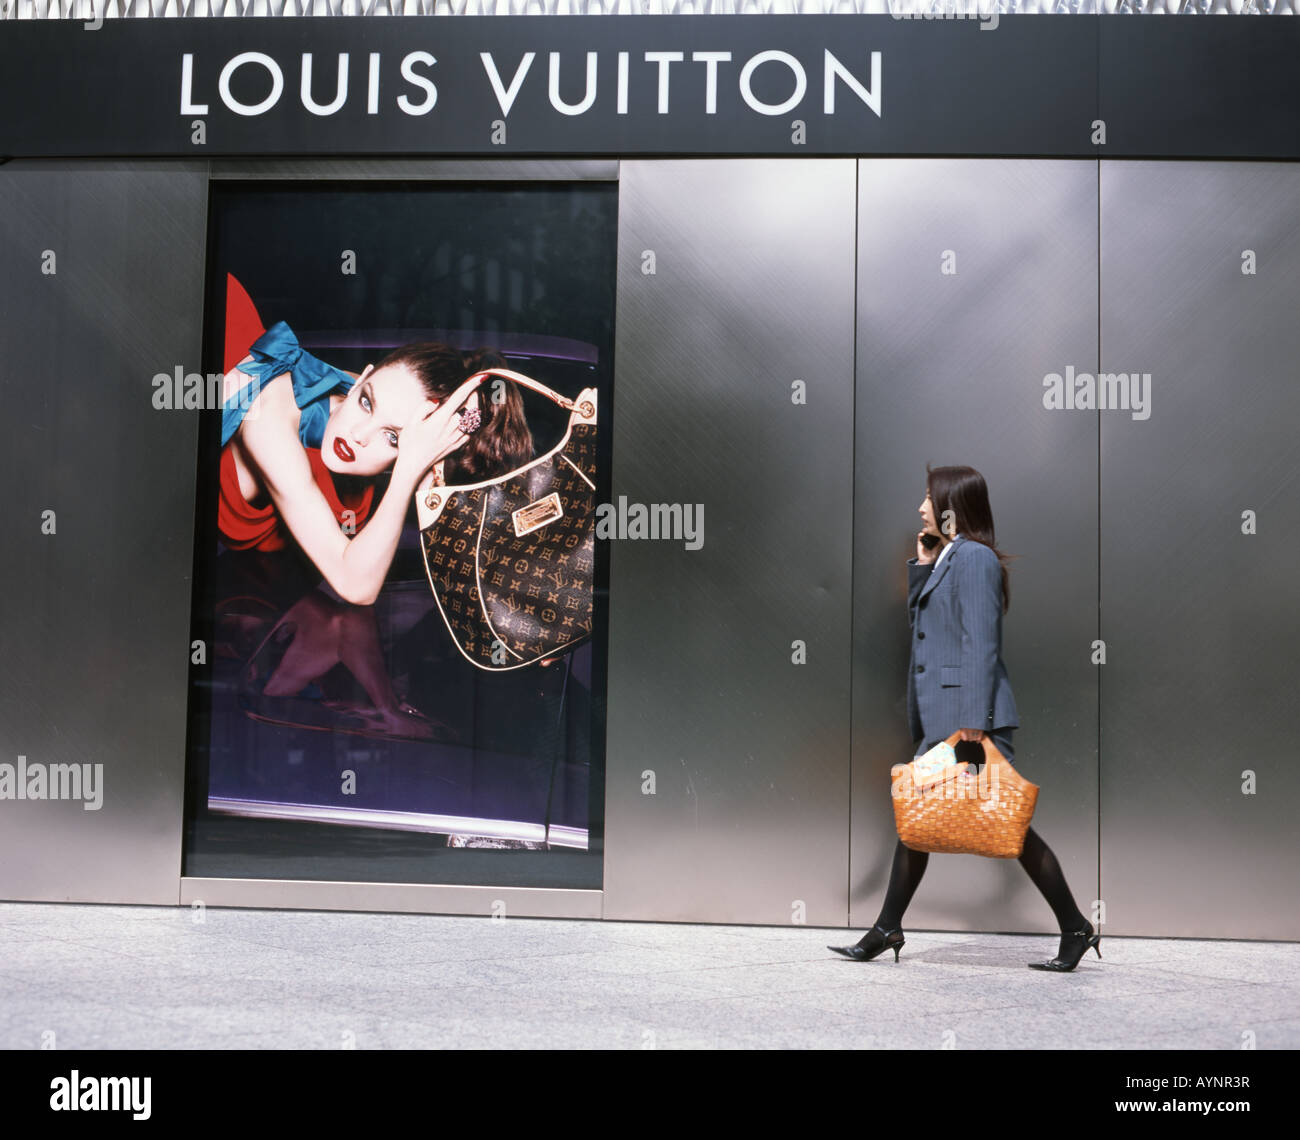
point(244, 527)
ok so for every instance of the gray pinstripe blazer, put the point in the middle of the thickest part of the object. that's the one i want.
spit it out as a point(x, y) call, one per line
point(956, 678)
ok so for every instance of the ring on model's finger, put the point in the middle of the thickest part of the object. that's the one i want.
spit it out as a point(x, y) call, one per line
point(470, 420)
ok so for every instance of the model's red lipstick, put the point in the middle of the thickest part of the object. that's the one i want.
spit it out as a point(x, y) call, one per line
point(342, 450)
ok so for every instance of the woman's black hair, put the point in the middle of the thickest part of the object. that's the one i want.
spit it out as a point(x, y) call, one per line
point(503, 440)
point(962, 491)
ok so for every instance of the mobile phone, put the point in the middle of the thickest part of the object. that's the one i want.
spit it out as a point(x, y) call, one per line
point(929, 541)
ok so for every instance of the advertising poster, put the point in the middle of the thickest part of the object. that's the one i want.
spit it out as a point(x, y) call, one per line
point(401, 669)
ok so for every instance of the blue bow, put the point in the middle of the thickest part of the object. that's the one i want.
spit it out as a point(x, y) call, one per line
point(275, 352)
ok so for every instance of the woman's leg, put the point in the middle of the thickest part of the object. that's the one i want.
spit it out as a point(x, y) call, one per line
point(1040, 863)
point(904, 878)
point(1036, 858)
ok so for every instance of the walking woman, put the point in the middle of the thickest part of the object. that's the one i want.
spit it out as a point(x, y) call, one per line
point(957, 594)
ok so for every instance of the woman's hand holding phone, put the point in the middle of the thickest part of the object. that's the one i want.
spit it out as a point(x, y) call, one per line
point(925, 544)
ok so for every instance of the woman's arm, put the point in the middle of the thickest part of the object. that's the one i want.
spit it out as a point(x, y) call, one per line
point(354, 567)
point(918, 573)
point(979, 599)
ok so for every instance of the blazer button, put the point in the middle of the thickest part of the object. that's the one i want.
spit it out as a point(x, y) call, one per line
point(920, 636)
point(920, 668)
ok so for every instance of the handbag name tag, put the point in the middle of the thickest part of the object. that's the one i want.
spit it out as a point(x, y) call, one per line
point(537, 515)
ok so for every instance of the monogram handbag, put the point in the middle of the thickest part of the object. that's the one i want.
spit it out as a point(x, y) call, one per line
point(941, 806)
point(511, 559)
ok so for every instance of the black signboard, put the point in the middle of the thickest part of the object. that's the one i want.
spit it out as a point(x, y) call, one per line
point(1067, 86)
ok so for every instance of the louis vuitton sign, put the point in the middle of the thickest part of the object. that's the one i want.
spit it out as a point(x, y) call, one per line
point(623, 86)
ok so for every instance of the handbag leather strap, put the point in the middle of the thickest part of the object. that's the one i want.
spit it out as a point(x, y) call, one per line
point(527, 382)
point(990, 749)
point(519, 378)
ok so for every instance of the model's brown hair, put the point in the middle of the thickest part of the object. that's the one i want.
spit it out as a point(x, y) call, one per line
point(503, 440)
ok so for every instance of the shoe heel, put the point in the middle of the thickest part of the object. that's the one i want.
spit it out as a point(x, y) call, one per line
point(898, 948)
point(1097, 946)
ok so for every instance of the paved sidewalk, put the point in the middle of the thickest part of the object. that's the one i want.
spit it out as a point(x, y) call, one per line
point(153, 978)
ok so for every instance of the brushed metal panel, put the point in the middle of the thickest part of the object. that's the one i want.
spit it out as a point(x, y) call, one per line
point(418, 169)
point(949, 372)
point(96, 615)
point(752, 290)
point(1202, 622)
point(399, 898)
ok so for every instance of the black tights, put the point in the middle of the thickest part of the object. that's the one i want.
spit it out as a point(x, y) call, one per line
point(1036, 858)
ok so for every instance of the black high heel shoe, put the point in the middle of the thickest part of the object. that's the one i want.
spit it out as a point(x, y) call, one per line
point(874, 943)
point(1074, 945)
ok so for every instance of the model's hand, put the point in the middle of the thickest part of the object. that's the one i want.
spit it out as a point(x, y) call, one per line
point(976, 734)
point(923, 556)
point(435, 433)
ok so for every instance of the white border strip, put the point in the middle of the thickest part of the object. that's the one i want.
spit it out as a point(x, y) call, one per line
point(404, 821)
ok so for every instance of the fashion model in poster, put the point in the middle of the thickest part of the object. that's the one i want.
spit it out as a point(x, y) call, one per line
point(343, 720)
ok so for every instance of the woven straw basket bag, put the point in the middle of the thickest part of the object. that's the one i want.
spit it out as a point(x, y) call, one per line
point(956, 812)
